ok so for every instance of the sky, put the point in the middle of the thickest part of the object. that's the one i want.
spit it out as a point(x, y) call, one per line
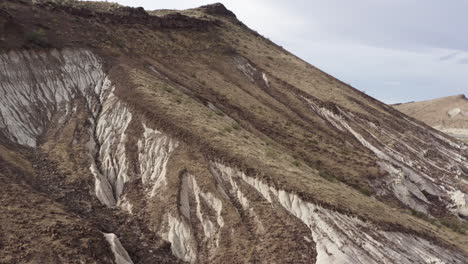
point(393, 50)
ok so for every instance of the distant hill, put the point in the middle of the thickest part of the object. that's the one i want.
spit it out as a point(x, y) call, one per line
point(447, 114)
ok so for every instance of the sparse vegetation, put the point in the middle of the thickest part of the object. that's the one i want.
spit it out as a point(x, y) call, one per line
point(307, 153)
point(455, 224)
point(271, 154)
point(328, 176)
point(168, 89)
point(120, 43)
point(219, 112)
point(448, 221)
point(37, 37)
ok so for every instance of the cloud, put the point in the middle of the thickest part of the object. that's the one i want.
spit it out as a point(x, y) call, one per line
point(449, 56)
point(387, 74)
point(394, 83)
point(463, 61)
point(397, 24)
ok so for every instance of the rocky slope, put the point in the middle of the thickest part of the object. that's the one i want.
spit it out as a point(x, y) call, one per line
point(447, 114)
point(166, 137)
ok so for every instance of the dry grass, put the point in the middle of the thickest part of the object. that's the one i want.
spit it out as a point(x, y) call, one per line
point(277, 166)
point(16, 159)
point(250, 128)
point(99, 6)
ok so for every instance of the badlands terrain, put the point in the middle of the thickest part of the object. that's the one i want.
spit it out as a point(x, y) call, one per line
point(133, 136)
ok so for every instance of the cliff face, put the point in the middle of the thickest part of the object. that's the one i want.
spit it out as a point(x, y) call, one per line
point(185, 137)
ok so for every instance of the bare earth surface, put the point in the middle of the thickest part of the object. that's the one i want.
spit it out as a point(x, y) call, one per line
point(132, 136)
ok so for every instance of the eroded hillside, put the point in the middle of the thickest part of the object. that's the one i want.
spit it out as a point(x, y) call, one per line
point(184, 136)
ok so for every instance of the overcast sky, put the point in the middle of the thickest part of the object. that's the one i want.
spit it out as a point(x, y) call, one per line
point(394, 50)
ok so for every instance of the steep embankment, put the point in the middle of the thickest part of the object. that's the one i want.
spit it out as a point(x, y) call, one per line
point(447, 114)
point(190, 128)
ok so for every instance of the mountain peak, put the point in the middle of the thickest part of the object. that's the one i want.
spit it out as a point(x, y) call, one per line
point(457, 96)
point(218, 9)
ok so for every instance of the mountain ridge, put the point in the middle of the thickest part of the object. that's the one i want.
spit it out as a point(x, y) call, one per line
point(192, 131)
